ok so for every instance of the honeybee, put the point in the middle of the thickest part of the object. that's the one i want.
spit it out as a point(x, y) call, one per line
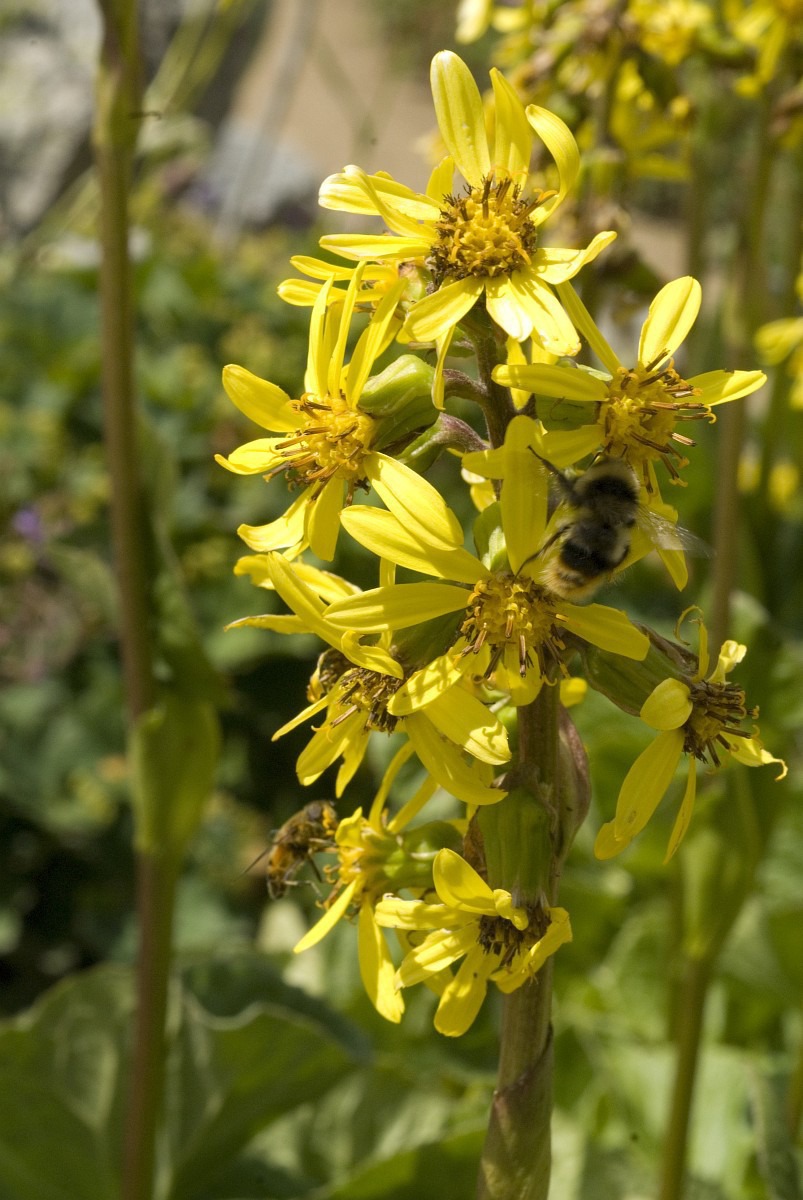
point(594, 537)
point(305, 834)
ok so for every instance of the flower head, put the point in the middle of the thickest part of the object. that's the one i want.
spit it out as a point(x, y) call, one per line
point(498, 940)
point(327, 443)
point(510, 623)
point(483, 238)
point(638, 409)
point(700, 716)
point(376, 854)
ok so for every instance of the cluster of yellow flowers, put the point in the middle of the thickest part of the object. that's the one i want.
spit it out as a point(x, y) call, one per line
point(443, 659)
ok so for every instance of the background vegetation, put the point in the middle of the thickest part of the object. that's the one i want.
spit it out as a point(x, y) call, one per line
point(281, 1080)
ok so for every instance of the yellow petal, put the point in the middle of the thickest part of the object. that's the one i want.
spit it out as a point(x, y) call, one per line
point(441, 181)
point(751, 753)
point(556, 266)
point(382, 534)
point(717, 387)
point(513, 141)
point(286, 530)
point(408, 496)
point(605, 627)
point(305, 715)
point(425, 685)
point(668, 706)
point(463, 996)
point(559, 141)
point(446, 764)
point(549, 324)
point(524, 493)
point(376, 245)
point(329, 919)
point(345, 192)
point(645, 784)
point(326, 745)
point(437, 951)
point(467, 722)
point(583, 321)
point(260, 401)
point(323, 519)
point(671, 316)
point(394, 913)
point(278, 623)
point(683, 819)
point(565, 383)
point(460, 115)
point(607, 844)
point(433, 317)
point(377, 970)
point(253, 458)
point(372, 341)
point(459, 885)
point(397, 606)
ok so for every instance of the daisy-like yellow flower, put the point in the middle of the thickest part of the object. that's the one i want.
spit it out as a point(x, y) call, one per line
point(354, 685)
point(700, 717)
point(637, 409)
point(376, 855)
point(326, 443)
point(498, 940)
point(481, 241)
point(509, 624)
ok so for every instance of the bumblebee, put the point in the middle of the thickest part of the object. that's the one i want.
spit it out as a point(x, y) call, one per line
point(305, 834)
point(597, 512)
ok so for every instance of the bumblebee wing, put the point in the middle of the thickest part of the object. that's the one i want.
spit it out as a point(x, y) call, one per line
point(667, 535)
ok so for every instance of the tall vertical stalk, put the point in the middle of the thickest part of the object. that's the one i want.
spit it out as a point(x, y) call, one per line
point(118, 113)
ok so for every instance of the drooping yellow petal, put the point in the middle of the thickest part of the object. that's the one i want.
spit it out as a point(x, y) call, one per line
point(286, 530)
point(415, 502)
point(526, 965)
point(433, 680)
point(458, 884)
point(328, 744)
point(382, 534)
point(463, 996)
point(524, 493)
point(646, 782)
point(607, 844)
point(318, 349)
point(277, 622)
point(391, 912)
point(668, 706)
point(437, 951)
point(323, 519)
point(433, 317)
point(306, 714)
point(469, 723)
point(683, 819)
point(329, 919)
point(672, 314)
point(377, 970)
point(513, 140)
point(394, 217)
point(460, 115)
point(559, 141)
point(508, 308)
point(549, 323)
point(446, 764)
point(441, 181)
point(751, 753)
point(605, 627)
point(262, 402)
point(402, 755)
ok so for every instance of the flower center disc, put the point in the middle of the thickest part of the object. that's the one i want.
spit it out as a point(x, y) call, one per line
point(643, 407)
point(369, 692)
point(506, 612)
point(718, 709)
point(333, 440)
point(487, 231)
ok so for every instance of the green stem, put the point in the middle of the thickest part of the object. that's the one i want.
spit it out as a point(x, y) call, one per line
point(118, 111)
point(691, 1008)
point(156, 887)
point(747, 310)
point(516, 1157)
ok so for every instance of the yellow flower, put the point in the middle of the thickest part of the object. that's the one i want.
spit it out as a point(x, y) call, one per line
point(375, 856)
point(498, 940)
point(638, 408)
point(769, 27)
point(509, 625)
point(326, 443)
point(354, 686)
point(668, 30)
point(376, 280)
point(700, 717)
point(784, 339)
point(483, 241)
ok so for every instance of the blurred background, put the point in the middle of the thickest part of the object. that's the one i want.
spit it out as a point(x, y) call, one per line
point(249, 105)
